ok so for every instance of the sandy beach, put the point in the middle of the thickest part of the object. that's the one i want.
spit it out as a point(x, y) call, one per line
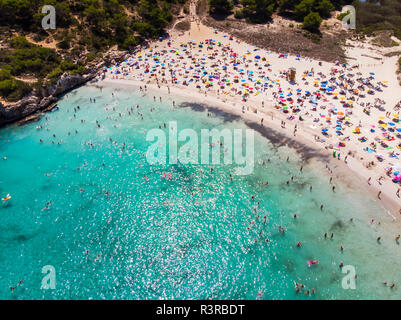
point(347, 112)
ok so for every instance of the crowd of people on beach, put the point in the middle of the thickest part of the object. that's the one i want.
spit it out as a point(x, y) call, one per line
point(343, 108)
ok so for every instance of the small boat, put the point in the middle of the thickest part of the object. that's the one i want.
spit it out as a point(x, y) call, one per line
point(55, 108)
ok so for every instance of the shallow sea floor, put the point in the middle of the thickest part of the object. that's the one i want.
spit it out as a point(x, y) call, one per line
point(114, 228)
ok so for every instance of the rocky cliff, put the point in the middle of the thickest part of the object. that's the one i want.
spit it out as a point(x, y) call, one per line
point(40, 100)
point(47, 96)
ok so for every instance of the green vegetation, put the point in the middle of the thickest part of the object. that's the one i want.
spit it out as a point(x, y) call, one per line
point(322, 7)
point(25, 59)
point(223, 7)
point(312, 22)
point(342, 15)
point(257, 11)
point(373, 16)
point(10, 88)
point(84, 29)
point(260, 11)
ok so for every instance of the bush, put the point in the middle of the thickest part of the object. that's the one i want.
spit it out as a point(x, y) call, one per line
point(55, 75)
point(258, 11)
point(238, 14)
point(220, 6)
point(19, 42)
point(79, 70)
point(64, 44)
point(305, 7)
point(312, 22)
point(342, 15)
point(324, 8)
point(13, 90)
point(129, 42)
point(67, 65)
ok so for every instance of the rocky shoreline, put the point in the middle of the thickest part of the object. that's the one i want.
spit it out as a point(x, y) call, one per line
point(30, 107)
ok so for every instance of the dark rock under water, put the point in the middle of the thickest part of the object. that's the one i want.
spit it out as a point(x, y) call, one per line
point(276, 138)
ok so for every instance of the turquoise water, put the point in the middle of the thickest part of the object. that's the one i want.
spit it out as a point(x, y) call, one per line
point(116, 229)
